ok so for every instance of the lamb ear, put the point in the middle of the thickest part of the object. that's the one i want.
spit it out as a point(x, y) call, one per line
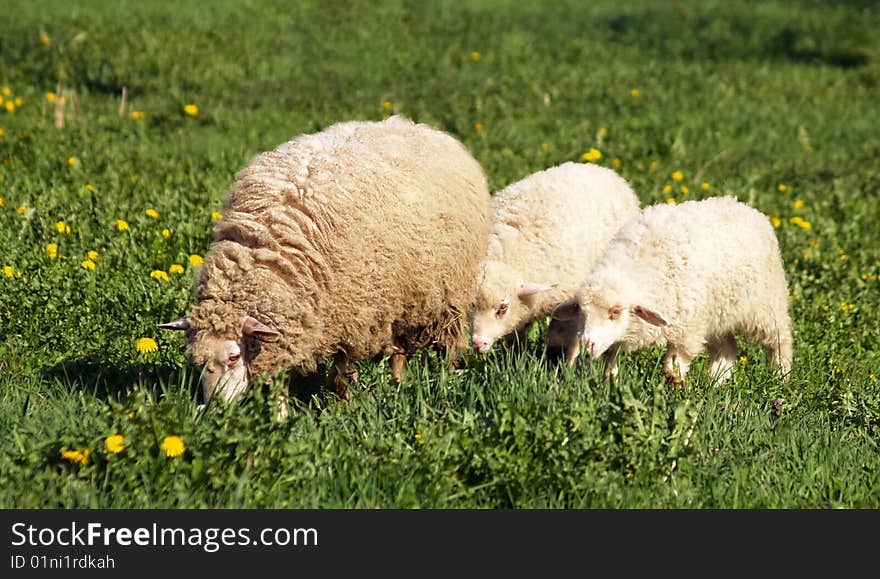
point(178, 324)
point(649, 316)
point(253, 327)
point(566, 311)
point(529, 289)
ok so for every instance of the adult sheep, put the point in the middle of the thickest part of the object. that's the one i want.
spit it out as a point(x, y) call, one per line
point(548, 230)
point(359, 241)
point(687, 276)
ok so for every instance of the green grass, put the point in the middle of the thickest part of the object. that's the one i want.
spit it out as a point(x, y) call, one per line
point(773, 102)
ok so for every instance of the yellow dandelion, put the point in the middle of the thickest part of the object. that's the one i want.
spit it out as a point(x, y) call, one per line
point(615, 163)
point(592, 155)
point(2, 132)
point(705, 186)
point(146, 345)
point(122, 225)
point(387, 105)
point(670, 200)
point(6, 91)
point(776, 222)
point(685, 190)
point(88, 264)
point(134, 178)
point(195, 260)
point(475, 56)
point(176, 268)
point(8, 271)
point(166, 233)
point(782, 187)
point(10, 106)
point(60, 226)
point(677, 176)
point(215, 215)
point(653, 165)
point(800, 222)
point(93, 255)
point(80, 456)
point(743, 359)
point(667, 189)
point(1, 201)
point(152, 213)
point(115, 443)
point(420, 438)
point(51, 96)
point(1, 100)
point(71, 161)
point(90, 187)
point(479, 127)
point(45, 40)
point(634, 93)
point(21, 209)
point(136, 115)
point(18, 101)
point(798, 204)
point(544, 146)
point(603, 132)
point(173, 446)
point(159, 274)
point(191, 110)
point(52, 250)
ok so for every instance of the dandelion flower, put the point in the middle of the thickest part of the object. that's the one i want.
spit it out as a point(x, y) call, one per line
point(677, 176)
point(10, 106)
point(176, 268)
point(45, 40)
point(671, 200)
point(479, 127)
point(603, 132)
point(80, 456)
point(634, 93)
point(93, 255)
point(173, 446)
point(798, 204)
point(420, 438)
point(215, 215)
point(166, 233)
point(800, 222)
point(616, 163)
point(743, 359)
point(667, 189)
point(8, 271)
point(122, 225)
point(195, 260)
point(475, 56)
point(52, 250)
point(782, 187)
point(115, 443)
point(387, 105)
point(18, 101)
point(21, 209)
point(705, 186)
point(90, 187)
point(152, 213)
point(544, 146)
point(137, 115)
point(88, 264)
point(2, 132)
point(776, 222)
point(685, 190)
point(159, 274)
point(146, 345)
point(191, 110)
point(653, 164)
point(71, 161)
point(592, 155)
point(62, 227)
point(7, 91)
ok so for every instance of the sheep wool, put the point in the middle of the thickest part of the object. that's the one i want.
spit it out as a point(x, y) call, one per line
point(548, 230)
point(363, 240)
point(687, 276)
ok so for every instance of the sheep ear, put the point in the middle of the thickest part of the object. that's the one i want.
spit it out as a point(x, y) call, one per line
point(529, 289)
point(253, 327)
point(178, 324)
point(566, 311)
point(649, 316)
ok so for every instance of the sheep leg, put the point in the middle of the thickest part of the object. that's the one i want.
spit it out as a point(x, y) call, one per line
point(342, 375)
point(610, 357)
point(676, 364)
point(398, 362)
point(778, 347)
point(722, 357)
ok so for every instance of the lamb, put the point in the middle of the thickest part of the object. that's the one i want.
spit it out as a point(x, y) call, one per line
point(548, 230)
point(687, 276)
point(360, 241)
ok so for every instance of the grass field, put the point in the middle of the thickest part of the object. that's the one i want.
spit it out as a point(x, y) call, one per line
point(103, 221)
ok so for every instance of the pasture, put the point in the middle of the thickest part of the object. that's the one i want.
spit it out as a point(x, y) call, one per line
point(106, 208)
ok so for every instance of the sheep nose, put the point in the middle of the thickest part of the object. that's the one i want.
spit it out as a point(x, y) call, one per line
point(481, 345)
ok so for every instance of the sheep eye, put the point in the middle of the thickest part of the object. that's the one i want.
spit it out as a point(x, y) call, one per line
point(614, 312)
point(233, 359)
point(502, 309)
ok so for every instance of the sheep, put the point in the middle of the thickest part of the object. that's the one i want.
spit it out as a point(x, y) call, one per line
point(686, 277)
point(360, 241)
point(548, 229)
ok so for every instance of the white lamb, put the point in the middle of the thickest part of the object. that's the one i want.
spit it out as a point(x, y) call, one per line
point(687, 276)
point(548, 230)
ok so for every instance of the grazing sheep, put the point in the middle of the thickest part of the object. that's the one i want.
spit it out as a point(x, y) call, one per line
point(548, 230)
point(687, 276)
point(360, 241)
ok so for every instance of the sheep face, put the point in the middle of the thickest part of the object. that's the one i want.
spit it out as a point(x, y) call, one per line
point(502, 304)
point(603, 320)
